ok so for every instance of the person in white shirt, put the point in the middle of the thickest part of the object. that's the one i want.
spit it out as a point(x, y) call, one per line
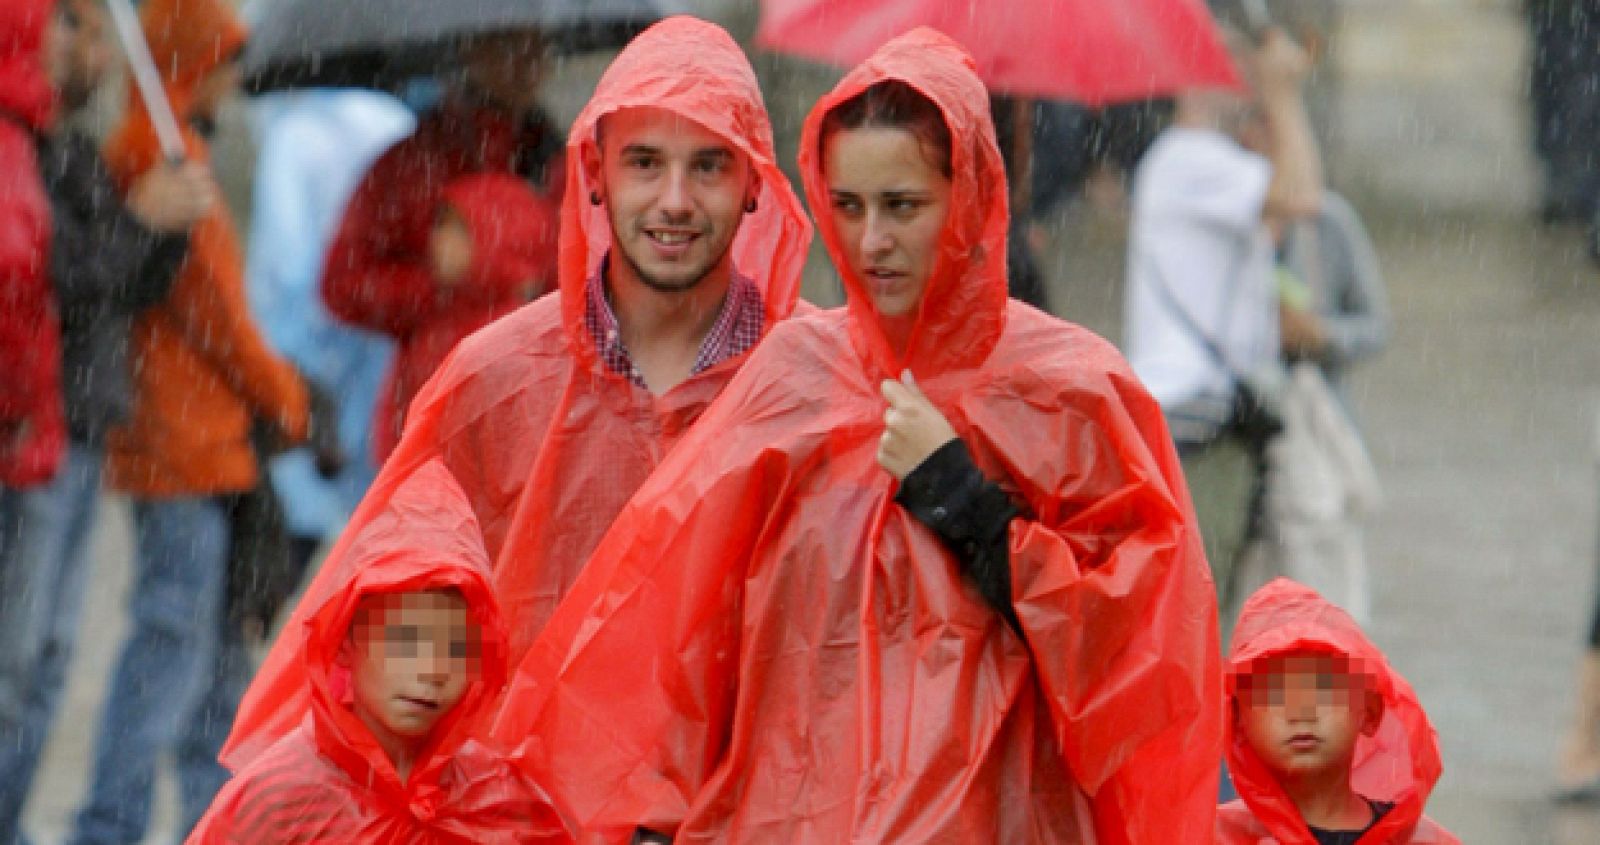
point(1202, 310)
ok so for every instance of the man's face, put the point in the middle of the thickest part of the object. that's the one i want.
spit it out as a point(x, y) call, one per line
point(413, 656)
point(1302, 714)
point(506, 69)
point(674, 192)
point(86, 52)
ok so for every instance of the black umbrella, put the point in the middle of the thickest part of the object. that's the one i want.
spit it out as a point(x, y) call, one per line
point(383, 43)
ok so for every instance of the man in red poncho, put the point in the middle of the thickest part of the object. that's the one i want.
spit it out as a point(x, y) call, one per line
point(812, 624)
point(681, 247)
point(404, 650)
point(382, 270)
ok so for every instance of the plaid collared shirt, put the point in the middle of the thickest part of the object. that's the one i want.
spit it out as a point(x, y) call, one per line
point(736, 331)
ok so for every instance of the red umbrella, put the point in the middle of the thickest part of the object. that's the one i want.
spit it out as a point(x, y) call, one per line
point(1091, 52)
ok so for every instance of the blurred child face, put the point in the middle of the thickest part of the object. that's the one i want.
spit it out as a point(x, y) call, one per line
point(1302, 714)
point(450, 246)
point(413, 656)
point(889, 206)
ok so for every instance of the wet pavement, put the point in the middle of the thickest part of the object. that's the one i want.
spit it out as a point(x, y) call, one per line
point(1482, 415)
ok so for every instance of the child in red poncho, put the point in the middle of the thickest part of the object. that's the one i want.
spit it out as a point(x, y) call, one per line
point(404, 654)
point(1328, 744)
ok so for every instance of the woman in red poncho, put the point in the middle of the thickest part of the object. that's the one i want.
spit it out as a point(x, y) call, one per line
point(824, 620)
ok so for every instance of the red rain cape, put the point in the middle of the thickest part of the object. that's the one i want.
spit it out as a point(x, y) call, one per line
point(546, 441)
point(1399, 764)
point(33, 429)
point(766, 648)
point(329, 781)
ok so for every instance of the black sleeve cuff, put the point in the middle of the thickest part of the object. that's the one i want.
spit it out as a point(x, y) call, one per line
point(949, 493)
point(153, 278)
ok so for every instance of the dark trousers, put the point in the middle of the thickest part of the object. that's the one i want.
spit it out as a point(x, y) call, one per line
point(1565, 93)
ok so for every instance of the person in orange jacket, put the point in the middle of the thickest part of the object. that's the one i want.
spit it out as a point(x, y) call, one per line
point(1327, 744)
point(381, 271)
point(925, 572)
point(202, 372)
point(405, 650)
point(682, 245)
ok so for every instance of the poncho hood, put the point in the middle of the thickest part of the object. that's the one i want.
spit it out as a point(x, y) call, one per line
point(962, 312)
point(426, 539)
point(188, 40)
point(1398, 764)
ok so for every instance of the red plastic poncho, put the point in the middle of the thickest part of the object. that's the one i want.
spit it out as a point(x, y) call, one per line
point(329, 781)
point(546, 441)
point(766, 648)
point(33, 430)
point(1399, 764)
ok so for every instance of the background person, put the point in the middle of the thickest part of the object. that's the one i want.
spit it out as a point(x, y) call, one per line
point(33, 50)
point(202, 371)
point(379, 275)
point(110, 260)
point(1201, 319)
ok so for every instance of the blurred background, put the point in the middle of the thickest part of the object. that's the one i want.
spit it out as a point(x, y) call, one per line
point(1483, 416)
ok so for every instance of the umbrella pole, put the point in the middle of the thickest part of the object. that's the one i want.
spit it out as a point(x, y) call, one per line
point(1022, 157)
point(147, 78)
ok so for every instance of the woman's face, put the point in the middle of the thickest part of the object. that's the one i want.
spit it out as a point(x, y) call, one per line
point(889, 204)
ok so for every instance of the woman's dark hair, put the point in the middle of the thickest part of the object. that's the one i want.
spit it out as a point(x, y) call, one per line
point(892, 104)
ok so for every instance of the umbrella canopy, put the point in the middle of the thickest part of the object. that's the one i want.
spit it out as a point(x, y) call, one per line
point(383, 43)
point(1092, 52)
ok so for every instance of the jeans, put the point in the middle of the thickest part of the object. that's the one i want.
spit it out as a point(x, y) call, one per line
point(42, 581)
point(179, 678)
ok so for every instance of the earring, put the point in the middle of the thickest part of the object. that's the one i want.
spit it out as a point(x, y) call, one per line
point(594, 197)
point(750, 206)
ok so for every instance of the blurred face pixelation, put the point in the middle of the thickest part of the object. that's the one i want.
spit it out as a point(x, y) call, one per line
point(674, 192)
point(414, 655)
point(889, 206)
point(1302, 714)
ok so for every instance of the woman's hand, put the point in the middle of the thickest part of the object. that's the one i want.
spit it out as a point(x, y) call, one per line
point(912, 428)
